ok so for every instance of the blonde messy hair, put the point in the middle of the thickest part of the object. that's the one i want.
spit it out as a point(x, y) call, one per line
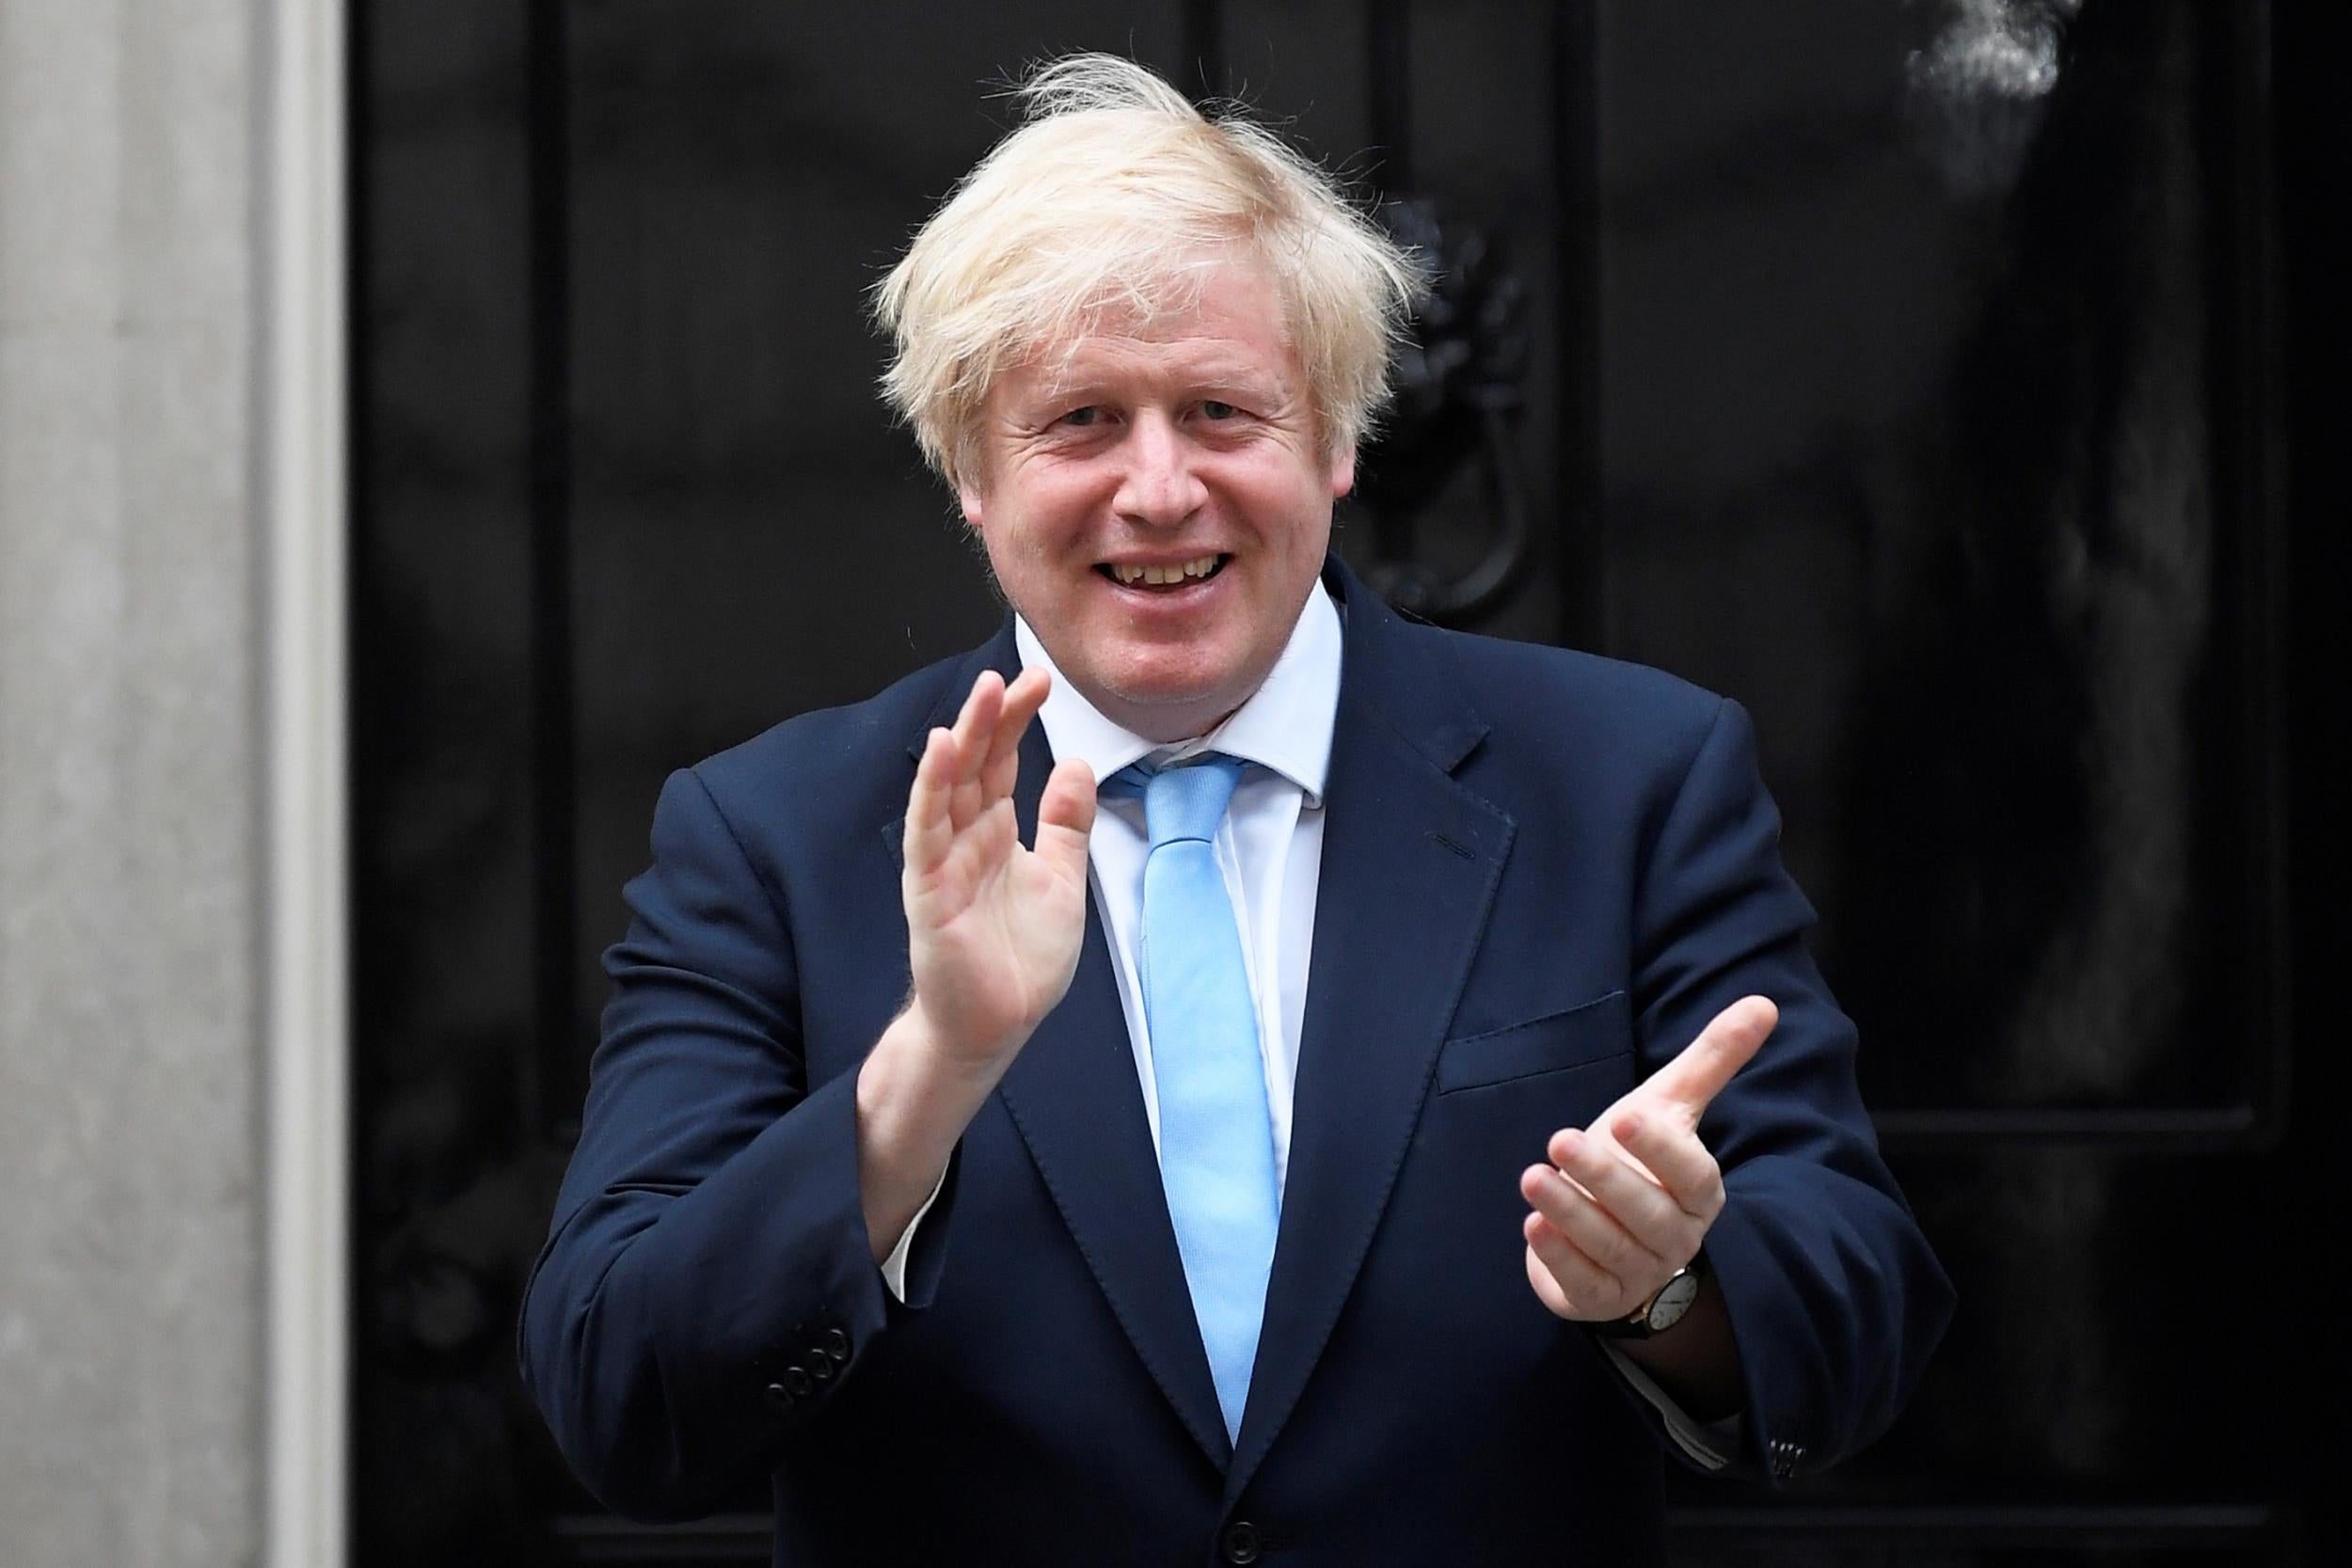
point(1105, 198)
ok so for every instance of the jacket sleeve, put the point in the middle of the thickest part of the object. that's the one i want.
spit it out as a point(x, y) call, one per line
point(708, 1283)
point(1834, 1297)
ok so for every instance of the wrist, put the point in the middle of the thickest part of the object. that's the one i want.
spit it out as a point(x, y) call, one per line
point(1663, 1308)
point(916, 1094)
point(914, 1102)
point(909, 1082)
point(947, 1055)
point(1696, 1363)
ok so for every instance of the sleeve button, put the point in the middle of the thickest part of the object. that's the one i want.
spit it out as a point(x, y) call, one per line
point(779, 1394)
point(836, 1345)
point(797, 1383)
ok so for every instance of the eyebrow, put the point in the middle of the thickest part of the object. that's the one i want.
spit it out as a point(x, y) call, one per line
point(1205, 381)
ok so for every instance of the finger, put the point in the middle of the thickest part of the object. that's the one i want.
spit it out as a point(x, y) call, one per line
point(935, 810)
point(1023, 699)
point(1546, 1288)
point(1596, 1233)
point(929, 830)
point(1591, 1291)
point(1691, 1081)
point(973, 724)
point(1630, 1201)
point(1064, 815)
point(966, 800)
point(1676, 1161)
point(1563, 1140)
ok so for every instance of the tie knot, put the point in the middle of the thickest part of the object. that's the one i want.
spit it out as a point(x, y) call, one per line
point(1187, 800)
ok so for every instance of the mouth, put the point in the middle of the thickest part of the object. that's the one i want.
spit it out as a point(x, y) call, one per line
point(1158, 578)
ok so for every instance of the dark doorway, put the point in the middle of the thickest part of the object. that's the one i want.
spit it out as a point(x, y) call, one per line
point(1916, 373)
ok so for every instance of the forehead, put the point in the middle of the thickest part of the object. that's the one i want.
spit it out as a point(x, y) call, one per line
point(1224, 322)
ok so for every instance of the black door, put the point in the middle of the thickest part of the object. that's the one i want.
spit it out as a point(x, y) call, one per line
point(1928, 377)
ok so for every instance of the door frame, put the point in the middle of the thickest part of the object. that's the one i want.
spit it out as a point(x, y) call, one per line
point(300, 419)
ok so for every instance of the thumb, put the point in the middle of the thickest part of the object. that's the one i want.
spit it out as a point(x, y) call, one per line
point(1693, 1080)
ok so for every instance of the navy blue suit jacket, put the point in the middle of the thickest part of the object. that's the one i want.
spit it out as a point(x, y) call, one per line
point(1543, 873)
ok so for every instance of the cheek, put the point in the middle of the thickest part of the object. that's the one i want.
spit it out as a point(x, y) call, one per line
point(1309, 535)
point(1055, 509)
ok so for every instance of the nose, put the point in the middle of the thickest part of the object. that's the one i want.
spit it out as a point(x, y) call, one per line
point(1159, 487)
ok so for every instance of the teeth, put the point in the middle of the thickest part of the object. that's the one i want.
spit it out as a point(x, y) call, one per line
point(1162, 576)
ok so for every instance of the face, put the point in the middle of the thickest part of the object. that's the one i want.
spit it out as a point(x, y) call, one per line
point(1156, 501)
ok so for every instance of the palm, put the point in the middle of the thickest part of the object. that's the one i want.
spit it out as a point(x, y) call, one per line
point(994, 927)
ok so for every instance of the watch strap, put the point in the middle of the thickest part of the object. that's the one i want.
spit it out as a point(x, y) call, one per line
point(1636, 1325)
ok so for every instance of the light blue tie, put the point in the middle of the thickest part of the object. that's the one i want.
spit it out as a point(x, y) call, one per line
point(1216, 1140)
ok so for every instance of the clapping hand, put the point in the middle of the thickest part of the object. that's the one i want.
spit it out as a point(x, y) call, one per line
point(993, 928)
point(1625, 1203)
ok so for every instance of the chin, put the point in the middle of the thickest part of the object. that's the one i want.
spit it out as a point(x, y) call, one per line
point(1173, 683)
point(1181, 705)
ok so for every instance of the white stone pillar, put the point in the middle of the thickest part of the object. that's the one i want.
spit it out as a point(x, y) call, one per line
point(153, 837)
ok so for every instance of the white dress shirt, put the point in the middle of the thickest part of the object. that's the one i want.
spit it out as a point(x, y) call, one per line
point(1270, 849)
point(1270, 846)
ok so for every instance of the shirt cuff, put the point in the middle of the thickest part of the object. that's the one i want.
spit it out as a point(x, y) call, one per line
point(1708, 1443)
point(894, 1269)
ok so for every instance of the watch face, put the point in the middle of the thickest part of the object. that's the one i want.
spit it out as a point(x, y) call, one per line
point(1672, 1302)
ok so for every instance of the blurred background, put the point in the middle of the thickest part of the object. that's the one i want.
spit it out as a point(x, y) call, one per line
point(1950, 381)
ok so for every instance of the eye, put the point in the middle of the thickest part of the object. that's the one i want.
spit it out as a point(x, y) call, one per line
point(1078, 419)
point(1211, 409)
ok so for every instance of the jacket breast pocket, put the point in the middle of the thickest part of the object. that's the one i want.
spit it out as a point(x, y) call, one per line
point(1595, 1031)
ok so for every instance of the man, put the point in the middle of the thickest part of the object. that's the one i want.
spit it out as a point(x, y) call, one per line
point(1345, 1092)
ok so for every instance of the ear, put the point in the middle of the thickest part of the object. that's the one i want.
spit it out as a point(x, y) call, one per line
point(1343, 473)
point(969, 497)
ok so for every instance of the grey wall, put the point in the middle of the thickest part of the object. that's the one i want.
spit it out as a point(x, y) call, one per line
point(130, 1030)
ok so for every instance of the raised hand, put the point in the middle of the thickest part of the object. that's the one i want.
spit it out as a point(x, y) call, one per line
point(1622, 1205)
point(992, 937)
point(993, 928)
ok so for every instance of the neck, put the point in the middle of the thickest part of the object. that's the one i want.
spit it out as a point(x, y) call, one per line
point(1161, 726)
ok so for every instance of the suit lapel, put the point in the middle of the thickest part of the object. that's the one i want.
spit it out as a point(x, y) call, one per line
point(1410, 863)
point(1074, 1096)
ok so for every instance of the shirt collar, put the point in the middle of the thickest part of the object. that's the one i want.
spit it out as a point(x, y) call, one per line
point(1284, 726)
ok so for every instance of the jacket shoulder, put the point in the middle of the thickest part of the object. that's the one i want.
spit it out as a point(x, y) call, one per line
point(1538, 692)
point(835, 757)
